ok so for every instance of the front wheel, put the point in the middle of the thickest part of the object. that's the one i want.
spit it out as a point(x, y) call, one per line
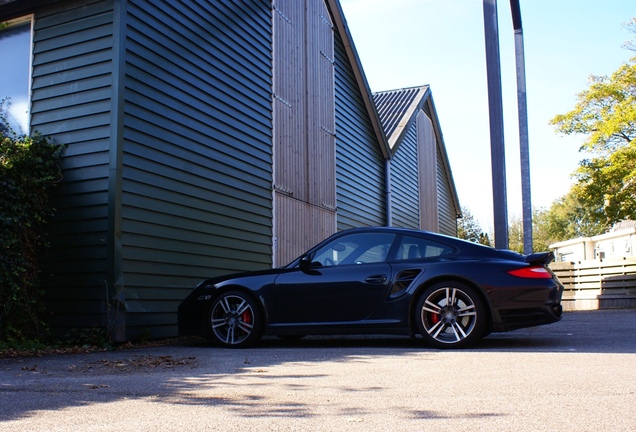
point(450, 315)
point(235, 320)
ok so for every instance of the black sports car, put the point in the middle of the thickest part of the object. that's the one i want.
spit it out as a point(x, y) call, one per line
point(380, 281)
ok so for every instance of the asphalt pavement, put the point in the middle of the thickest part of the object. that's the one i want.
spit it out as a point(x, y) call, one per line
point(575, 375)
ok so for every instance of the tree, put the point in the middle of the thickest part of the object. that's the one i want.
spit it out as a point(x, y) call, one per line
point(468, 228)
point(541, 236)
point(541, 239)
point(515, 234)
point(606, 180)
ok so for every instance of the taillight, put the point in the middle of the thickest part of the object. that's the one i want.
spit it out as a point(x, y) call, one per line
point(534, 272)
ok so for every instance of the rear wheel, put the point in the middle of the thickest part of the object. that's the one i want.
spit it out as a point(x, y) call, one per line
point(235, 320)
point(450, 315)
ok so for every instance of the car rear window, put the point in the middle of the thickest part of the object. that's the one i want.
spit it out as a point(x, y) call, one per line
point(417, 248)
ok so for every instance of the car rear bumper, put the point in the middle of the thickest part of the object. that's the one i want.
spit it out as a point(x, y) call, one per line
point(528, 306)
point(511, 319)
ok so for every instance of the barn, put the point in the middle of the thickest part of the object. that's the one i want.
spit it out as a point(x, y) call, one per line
point(206, 137)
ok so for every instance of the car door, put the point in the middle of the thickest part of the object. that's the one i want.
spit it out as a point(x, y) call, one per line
point(347, 279)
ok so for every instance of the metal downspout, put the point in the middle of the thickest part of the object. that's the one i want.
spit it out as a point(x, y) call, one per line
point(387, 187)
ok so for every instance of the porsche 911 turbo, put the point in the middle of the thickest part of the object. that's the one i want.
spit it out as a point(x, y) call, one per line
point(380, 280)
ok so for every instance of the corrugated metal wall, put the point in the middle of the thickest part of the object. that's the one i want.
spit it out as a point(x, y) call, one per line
point(360, 169)
point(304, 125)
point(71, 103)
point(405, 184)
point(196, 189)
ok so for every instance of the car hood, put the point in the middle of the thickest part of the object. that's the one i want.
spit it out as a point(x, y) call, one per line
point(238, 276)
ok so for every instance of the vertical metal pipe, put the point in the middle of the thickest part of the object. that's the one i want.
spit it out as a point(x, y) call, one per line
point(523, 128)
point(388, 195)
point(497, 147)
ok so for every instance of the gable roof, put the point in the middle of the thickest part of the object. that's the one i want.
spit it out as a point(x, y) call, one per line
point(398, 109)
point(343, 29)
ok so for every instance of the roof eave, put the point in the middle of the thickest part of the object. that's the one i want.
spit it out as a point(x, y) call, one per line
point(442, 145)
point(14, 8)
point(341, 24)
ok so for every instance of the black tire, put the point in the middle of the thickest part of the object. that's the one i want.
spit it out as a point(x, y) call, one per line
point(450, 315)
point(235, 320)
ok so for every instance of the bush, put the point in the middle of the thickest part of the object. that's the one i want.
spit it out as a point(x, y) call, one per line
point(28, 172)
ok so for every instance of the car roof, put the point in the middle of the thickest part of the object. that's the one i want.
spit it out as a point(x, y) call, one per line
point(461, 244)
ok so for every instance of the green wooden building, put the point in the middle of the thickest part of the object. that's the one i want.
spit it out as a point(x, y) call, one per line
point(203, 137)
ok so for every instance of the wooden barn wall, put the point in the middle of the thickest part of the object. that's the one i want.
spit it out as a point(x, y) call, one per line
point(360, 165)
point(447, 208)
point(71, 103)
point(405, 189)
point(196, 196)
point(304, 125)
point(429, 187)
point(317, 223)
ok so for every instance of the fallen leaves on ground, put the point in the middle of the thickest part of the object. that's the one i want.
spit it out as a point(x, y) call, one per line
point(138, 362)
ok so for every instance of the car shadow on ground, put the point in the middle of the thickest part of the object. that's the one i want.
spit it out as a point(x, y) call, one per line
point(601, 331)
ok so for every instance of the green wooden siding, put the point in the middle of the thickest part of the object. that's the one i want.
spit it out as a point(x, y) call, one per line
point(196, 189)
point(446, 205)
point(71, 103)
point(165, 108)
point(405, 194)
point(360, 169)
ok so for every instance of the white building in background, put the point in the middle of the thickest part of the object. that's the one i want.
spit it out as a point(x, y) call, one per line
point(619, 242)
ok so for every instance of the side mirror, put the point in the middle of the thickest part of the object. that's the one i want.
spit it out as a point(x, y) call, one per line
point(304, 263)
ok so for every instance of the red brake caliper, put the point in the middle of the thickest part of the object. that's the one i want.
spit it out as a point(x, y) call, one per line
point(247, 317)
point(434, 318)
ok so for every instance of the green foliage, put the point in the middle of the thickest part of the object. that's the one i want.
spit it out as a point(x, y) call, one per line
point(28, 172)
point(606, 112)
point(88, 337)
point(541, 240)
point(515, 235)
point(569, 218)
point(468, 228)
point(562, 221)
point(605, 192)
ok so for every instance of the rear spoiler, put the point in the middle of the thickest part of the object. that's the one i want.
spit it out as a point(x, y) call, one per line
point(541, 258)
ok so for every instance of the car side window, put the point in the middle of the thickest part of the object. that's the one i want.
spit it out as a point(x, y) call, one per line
point(416, 248)
point(359, 248)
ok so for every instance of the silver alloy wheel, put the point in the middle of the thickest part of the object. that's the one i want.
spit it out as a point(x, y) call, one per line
point(449, 315)
point(232, 319)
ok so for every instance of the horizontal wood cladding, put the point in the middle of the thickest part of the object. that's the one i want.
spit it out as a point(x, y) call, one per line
point(446, 205)
point(71, 103)
point(405, 191)
point(196, 192)
point(360, 170)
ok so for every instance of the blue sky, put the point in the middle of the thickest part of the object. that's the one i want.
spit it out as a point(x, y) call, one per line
point(405, 43)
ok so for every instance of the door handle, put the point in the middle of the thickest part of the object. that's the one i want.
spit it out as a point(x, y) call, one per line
point(378, 279)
